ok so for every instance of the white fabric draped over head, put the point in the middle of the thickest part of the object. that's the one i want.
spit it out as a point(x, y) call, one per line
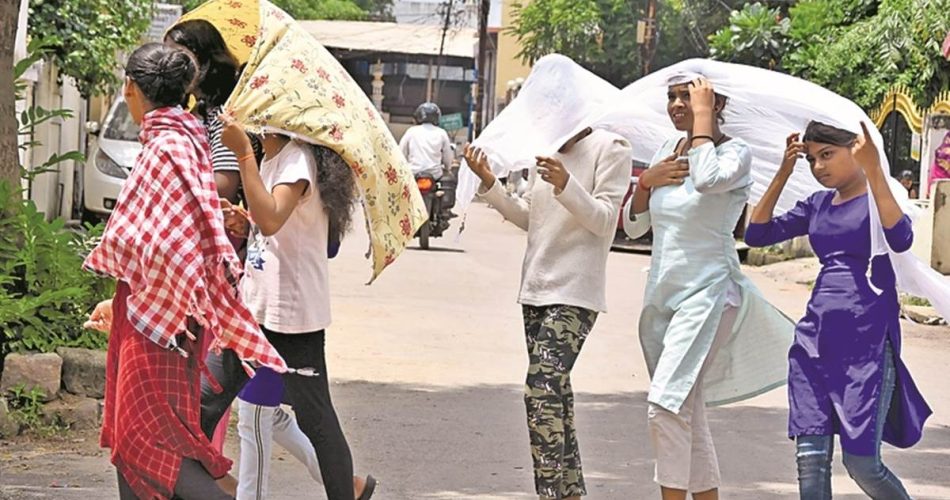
point(763, 108)
point(558, 100)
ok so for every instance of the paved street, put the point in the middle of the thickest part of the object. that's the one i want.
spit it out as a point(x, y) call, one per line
point(427, 365)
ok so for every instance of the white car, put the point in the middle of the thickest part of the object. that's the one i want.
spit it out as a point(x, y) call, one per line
point(110, 160)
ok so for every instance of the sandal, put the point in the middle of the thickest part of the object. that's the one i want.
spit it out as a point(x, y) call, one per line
point(368, 488)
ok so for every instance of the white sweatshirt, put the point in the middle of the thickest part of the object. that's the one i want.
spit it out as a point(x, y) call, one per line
point(569, 235)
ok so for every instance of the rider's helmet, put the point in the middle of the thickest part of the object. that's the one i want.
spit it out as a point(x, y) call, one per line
point(427, 112)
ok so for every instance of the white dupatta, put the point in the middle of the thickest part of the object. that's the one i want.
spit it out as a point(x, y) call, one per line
point(763, 108)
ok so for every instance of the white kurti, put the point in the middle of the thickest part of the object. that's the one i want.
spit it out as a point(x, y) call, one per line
point(694, 266)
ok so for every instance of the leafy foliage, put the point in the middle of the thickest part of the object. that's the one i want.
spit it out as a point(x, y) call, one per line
point(45, 294)
point(599, 34)
point(26, 409)
point(858, 48)
point(349, 10)
point(87, 35)
point(756, 34)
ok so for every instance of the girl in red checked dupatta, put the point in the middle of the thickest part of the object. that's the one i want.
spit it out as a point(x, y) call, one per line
point(165, 244)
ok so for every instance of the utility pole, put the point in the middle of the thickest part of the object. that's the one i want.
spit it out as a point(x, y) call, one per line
point(646, 36)
point(445, 29)
point(480, 70)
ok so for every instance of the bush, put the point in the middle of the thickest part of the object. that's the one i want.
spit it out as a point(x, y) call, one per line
point(45, 295)
point(26, 409)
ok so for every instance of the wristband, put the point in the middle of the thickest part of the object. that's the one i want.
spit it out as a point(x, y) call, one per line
point(711, 139)
point(246, 157)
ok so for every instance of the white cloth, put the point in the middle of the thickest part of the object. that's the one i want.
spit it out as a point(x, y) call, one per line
point(569, 235)
point(682, 443)
point(286, 282)
point(558, 100)
point(763, 108)
point(258, 428)
point(427, 147)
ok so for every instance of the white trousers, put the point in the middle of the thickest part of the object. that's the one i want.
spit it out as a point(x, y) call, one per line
point(684, 449)
point(258, 427)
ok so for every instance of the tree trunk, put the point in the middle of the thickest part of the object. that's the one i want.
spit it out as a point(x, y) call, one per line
point(483, 6)
point(9, 157)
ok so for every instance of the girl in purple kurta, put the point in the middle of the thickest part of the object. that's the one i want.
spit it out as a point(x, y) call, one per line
point(845, 372)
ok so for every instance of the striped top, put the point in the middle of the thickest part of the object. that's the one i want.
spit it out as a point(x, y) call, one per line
point(222, 158)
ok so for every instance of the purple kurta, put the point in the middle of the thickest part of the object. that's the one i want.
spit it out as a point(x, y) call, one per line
point(835, 363)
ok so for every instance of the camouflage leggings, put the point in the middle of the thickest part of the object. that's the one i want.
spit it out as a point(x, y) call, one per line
point(554, 335)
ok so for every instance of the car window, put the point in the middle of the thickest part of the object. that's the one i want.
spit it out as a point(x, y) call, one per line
point(120, 126)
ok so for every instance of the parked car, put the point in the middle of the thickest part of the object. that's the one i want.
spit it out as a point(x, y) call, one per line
point(109, 162)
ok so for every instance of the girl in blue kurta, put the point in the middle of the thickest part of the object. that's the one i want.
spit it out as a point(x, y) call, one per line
point(845, 372)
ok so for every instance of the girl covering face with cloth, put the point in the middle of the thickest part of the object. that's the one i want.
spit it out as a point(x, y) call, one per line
point(570, 213)
point(708, 335)
point(845, 374)
point(165, 244)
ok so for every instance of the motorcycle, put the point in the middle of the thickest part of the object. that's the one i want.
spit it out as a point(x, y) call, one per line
point(437, 187)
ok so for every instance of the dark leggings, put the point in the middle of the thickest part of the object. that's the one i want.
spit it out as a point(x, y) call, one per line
point(309, 396)
point(194, 483)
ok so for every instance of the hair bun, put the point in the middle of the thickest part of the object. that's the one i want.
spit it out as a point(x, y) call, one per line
point(164, 74)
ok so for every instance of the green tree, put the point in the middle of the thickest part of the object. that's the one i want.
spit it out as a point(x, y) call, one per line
point(9, 159)
point(598, 34)
point(900, 44)
point(756, 35)
point(858, 48)
point(322, 9)
point(88, 35)
point(601, 34)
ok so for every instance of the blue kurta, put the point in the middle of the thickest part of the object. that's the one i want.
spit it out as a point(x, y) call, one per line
point(836, 363)
point(693, 270)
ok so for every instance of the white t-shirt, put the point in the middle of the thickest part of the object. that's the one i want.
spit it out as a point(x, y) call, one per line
point(286, 282)
point(426, 146)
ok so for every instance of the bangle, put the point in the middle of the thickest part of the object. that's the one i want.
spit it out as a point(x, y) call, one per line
point(249, 156)
point(711, 139)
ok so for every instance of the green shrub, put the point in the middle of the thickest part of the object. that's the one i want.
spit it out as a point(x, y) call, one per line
point(26, 409)
point(45, 295)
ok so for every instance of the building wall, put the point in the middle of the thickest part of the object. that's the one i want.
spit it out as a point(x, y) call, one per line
point(508, 64)
point(54, 192)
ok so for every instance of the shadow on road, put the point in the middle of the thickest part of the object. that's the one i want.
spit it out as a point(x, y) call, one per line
point(471, 443)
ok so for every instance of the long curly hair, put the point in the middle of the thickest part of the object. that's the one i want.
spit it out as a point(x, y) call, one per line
point(337, 185)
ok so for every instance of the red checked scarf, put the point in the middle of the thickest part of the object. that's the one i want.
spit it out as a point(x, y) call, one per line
point(166, 239)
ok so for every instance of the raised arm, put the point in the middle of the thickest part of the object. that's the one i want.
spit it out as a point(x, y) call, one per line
point(270, 209)
point(867, 155)
point(720, 170)
point(516, 210)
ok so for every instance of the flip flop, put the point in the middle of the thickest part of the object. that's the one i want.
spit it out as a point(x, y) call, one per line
point(368, 488)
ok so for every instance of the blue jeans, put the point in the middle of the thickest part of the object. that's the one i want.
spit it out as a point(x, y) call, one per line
point(814, 455)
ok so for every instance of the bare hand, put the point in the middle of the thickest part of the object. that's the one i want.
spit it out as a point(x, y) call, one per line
point(234, 137)
point(553, 172)
point(101, 317)
point(865, 152)
point(669, 171)
point(478, 161)
point(794, 149)
point(702, 97)
point(236, 219)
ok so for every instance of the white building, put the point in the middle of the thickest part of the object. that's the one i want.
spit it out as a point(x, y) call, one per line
point(432, 12)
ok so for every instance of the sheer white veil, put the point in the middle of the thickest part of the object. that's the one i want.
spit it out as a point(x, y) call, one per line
point(558, 100)
point(763, 108)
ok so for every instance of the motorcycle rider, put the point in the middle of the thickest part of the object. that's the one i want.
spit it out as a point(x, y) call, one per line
point(426, 145)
